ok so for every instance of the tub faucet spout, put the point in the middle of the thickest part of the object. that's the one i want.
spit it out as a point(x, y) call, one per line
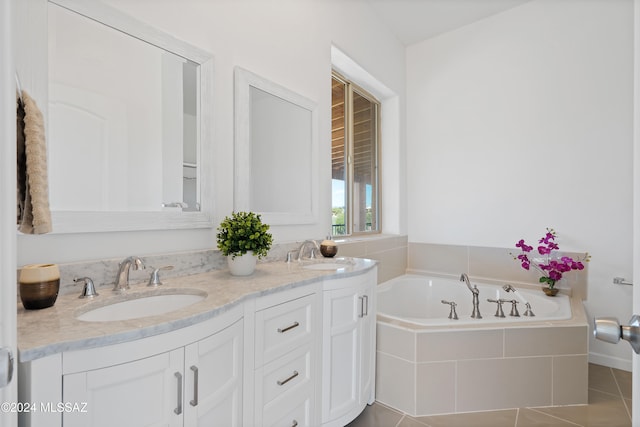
point(475, 313)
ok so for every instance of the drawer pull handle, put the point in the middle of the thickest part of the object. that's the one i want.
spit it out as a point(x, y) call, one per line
point(178, 409)
point(293, 325)
point(294, 423)
point(283, 382)
point(194, 402)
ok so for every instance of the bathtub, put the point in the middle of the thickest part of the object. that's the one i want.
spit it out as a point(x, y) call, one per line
point(418, 299)
point(428, 364)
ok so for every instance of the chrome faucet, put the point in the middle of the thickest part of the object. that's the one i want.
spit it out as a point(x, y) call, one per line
point(475, 313)
point(122, 280)
point(314, 249)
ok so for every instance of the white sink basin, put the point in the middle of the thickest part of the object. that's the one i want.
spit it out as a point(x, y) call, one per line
point(325, 266)
point(141, 306)
point(336, 264)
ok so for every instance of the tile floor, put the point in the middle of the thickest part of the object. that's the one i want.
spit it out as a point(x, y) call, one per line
point(609, 406)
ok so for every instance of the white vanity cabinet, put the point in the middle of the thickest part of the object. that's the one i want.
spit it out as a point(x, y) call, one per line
point(150, 381)
point(285, 360)
point(348, 347)
point(300, 354)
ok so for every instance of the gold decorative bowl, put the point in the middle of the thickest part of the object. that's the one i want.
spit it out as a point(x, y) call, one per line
point(328, 250)
point(39, 285)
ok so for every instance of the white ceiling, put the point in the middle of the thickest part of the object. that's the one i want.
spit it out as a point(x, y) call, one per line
point(416, 20)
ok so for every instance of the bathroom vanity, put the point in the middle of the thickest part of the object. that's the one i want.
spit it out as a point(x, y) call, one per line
point(291, 345)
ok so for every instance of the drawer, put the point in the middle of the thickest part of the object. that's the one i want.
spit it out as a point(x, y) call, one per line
point(285, 390)
point(282, 328)
point(284, 375)
point(295, 414)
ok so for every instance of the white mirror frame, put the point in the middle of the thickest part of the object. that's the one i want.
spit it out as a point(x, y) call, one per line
point(87, 222)
point(244, 81)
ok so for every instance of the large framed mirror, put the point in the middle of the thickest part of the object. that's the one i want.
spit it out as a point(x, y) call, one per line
point(130, 132)
point(275, 151)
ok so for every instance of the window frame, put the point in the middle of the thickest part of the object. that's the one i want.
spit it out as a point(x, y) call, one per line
point(350, 88)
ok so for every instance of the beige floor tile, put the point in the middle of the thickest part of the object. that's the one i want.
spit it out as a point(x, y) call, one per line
point(377, 415)
point(533, 418)
point(407, 421)
point(607, 408)
point(623, 378)
point(603, 410)
point(629, 405)
point(505, 418)
point(601, 379)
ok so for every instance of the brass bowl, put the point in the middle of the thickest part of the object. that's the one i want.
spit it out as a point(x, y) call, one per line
point(39, 285)
point(328, 251)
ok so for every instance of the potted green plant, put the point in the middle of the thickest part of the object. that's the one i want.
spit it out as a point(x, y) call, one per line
point(243, 238)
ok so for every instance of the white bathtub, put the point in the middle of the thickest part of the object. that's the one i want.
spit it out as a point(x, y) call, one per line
point(418, 300)
point(428, 364)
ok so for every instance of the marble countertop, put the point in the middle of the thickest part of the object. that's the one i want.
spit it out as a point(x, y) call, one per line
point(56, 329)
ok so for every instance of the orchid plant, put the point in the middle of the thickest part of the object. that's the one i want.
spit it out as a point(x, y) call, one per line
point(552, 268)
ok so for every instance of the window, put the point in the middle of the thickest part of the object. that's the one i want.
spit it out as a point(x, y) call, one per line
point(355, 116)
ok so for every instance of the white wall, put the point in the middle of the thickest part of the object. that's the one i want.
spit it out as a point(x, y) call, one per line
point(523, 121)
point(288, 42)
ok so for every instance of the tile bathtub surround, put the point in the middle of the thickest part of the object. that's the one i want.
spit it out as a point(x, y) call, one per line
point(486, 264)
point(389, 250)
point(478, 369)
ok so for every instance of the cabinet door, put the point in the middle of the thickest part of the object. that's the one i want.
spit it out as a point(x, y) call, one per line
point(213, 379)
point(367, 345)
point(340, 351)
point(142, 393)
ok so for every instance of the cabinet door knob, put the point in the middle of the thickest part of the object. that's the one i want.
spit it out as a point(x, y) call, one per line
point(194, 401)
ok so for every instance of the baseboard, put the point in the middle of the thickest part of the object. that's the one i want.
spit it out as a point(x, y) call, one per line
point(610, 361)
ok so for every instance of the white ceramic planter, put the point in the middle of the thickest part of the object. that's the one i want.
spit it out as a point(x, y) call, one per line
point(243, 265)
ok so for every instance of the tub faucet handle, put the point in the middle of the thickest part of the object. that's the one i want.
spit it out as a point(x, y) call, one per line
point(499, 302)
point(514, 308)
point(528, 311)
point(452, 313)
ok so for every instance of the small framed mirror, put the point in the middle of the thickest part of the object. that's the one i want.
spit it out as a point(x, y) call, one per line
point(275, 149)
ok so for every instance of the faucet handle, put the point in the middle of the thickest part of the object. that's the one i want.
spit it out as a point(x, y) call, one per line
point(514, 308)
point(290, 255)
point(154, 279)
point(499, 311)
point(528, 311)
point(89, 289)
point(452, 313)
